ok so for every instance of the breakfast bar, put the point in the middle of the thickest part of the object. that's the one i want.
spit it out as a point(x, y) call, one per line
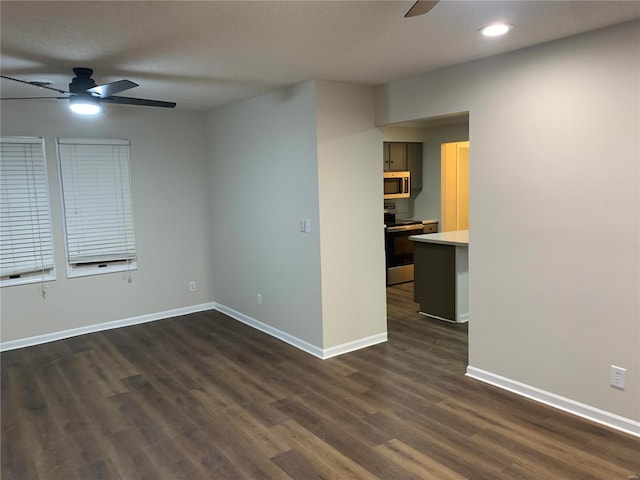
point(441, 284)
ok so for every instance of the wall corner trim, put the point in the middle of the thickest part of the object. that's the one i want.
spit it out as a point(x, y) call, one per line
point(74, 332)
point(588, 412)
point(299, 343)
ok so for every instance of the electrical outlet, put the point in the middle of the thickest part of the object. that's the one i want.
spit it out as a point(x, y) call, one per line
point(259, 299)
point(192, 286)
point(618, 375)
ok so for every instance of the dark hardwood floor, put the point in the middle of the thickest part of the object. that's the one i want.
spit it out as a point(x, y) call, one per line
point(206, 397)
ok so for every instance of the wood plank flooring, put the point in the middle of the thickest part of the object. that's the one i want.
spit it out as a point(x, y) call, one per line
point(206, 397)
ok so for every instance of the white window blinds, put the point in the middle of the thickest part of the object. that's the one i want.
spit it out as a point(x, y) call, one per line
point(26, 245)
point(97, 200)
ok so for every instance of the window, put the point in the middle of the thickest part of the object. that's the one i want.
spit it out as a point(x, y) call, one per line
point(97, 205)
point(26, 245)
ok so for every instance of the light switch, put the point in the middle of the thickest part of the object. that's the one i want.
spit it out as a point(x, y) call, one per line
point(307, 226)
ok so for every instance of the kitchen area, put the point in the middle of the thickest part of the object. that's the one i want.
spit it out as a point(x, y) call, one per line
point(425, 170)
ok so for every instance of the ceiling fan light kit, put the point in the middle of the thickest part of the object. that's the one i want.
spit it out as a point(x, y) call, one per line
point(84, 105)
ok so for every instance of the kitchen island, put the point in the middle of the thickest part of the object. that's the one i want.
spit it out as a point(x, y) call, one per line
point(441, 285)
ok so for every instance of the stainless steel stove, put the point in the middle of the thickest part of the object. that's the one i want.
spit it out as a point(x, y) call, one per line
point(399, 249)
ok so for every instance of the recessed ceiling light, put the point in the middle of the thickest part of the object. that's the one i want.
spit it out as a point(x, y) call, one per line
point(495, 29)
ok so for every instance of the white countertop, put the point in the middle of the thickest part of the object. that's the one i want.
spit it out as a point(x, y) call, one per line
point(459, 238)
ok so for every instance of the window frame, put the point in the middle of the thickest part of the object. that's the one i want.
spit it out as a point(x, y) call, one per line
point(104, 266)
point(44, 274)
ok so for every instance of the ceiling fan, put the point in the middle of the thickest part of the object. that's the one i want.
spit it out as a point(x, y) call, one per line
point(85, 96)
point(421, 7)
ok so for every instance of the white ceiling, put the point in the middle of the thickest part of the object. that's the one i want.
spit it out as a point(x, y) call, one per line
point(204, 54)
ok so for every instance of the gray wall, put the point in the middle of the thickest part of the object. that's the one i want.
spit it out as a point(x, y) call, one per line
point(169, 171)
point(300, 153)
point(554, 209)
point(264, 180)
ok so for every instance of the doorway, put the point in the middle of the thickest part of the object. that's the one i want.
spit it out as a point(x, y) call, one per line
point(446, 138)
point(454, 201)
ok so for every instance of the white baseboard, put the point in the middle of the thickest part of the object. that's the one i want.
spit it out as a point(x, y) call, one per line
point(461, 318)
point(268, 329)
point(571, 406)
point(299, 343)
point(355, 345)
point(74, 332)
point(252, 322)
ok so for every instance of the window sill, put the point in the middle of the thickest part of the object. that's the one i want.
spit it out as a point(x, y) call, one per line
point(27, 279)
point(88, 270)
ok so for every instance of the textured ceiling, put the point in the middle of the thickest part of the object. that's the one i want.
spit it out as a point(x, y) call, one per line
point(206, 54)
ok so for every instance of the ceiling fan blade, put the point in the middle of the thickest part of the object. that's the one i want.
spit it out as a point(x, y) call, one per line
point(36, 84)
point(138, 101)
point(421, 7)
point(31, 98)
point(112, 88)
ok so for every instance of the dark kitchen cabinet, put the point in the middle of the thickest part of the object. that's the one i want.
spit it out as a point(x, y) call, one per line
point(395, 156)
point(430, 227)
point(405, 156)
point(414, 164)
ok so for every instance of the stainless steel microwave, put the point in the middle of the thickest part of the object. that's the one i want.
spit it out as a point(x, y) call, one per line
point(397, 184)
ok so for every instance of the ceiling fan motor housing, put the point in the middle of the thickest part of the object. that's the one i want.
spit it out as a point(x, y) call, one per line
point(82, 81)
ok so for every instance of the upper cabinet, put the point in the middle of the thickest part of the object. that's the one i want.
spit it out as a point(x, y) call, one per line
point(414, 164)
point(395, 156)
point(405, 156)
